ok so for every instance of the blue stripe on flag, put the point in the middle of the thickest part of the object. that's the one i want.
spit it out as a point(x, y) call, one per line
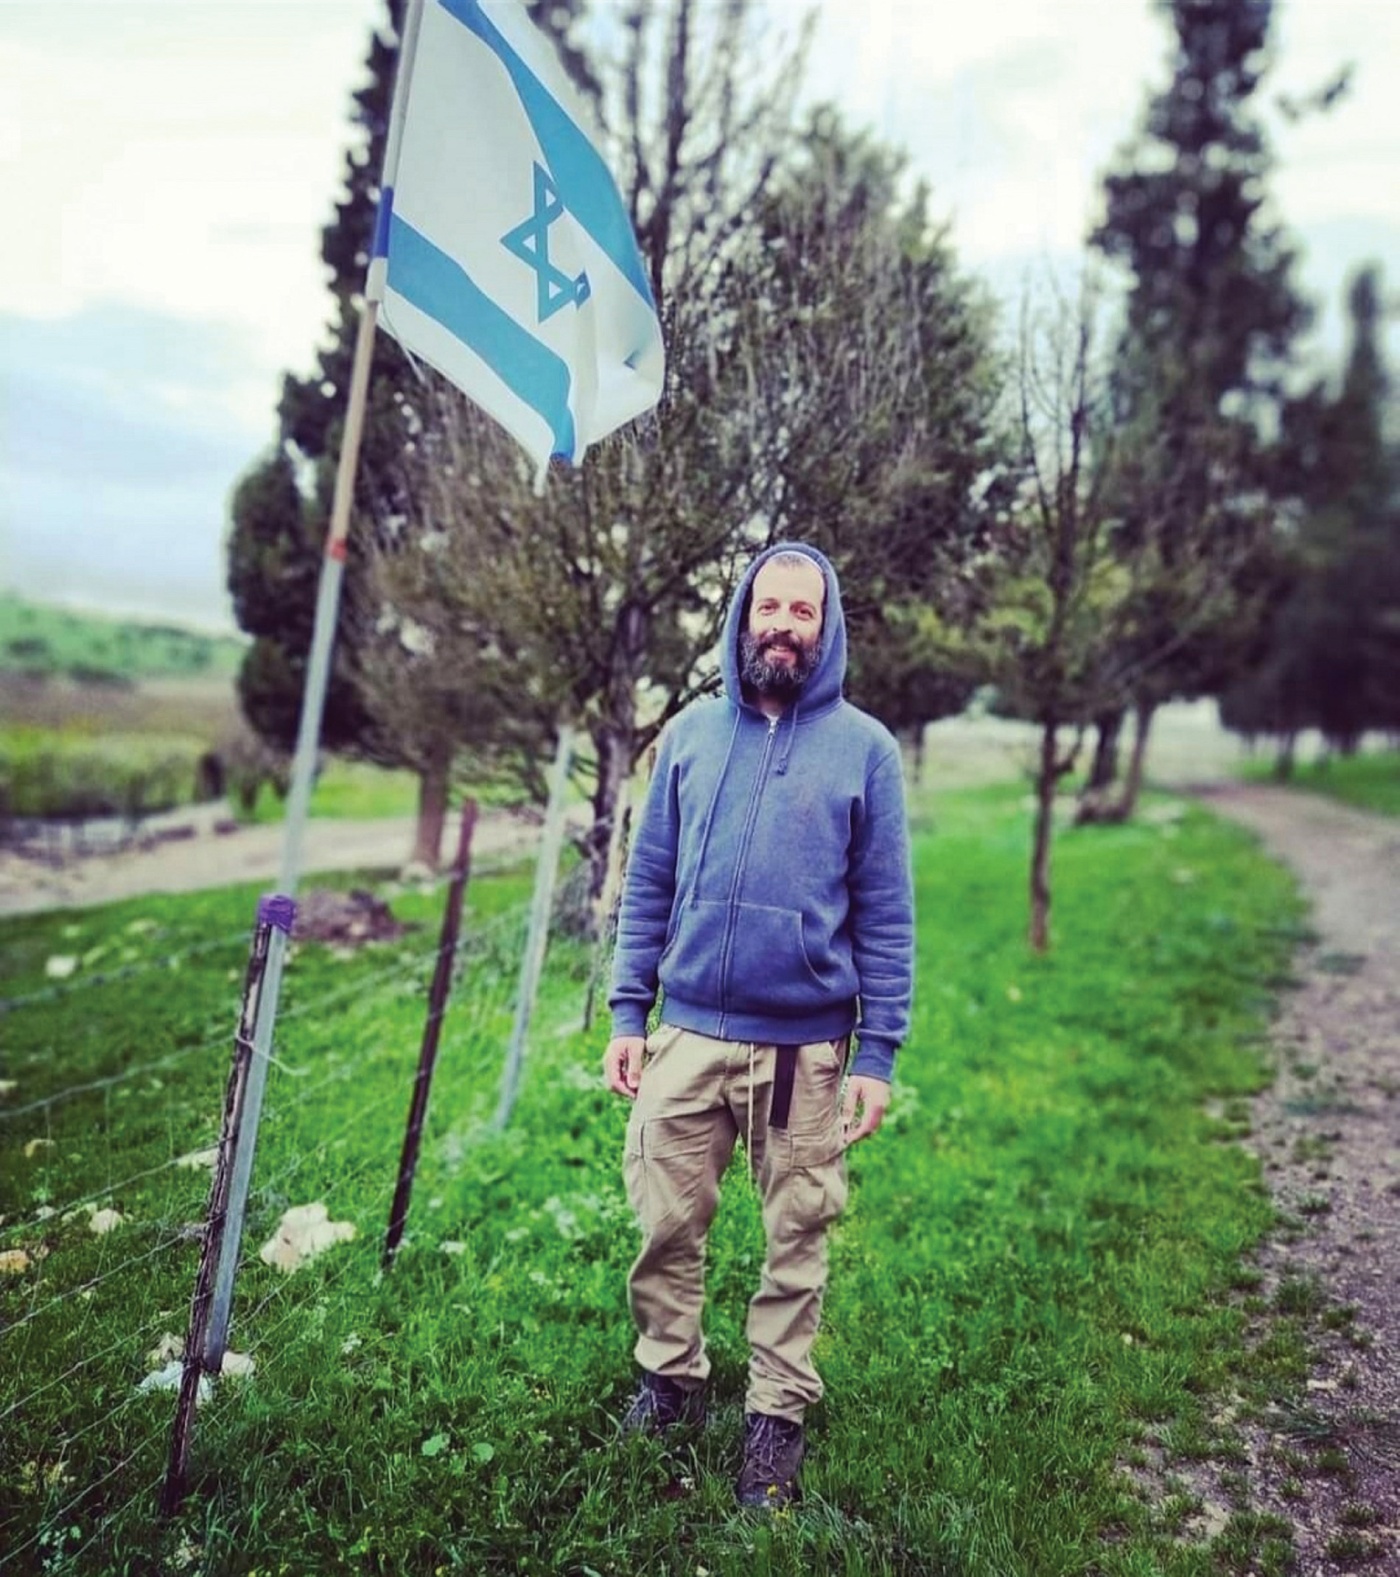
point(582, 178)
point(440, 287)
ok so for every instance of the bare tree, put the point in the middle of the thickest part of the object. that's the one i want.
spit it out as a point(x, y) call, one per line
point(1050, 598)
point(1084, 606)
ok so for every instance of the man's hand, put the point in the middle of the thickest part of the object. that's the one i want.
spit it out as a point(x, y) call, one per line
point(863, 1109)
point(622, 1064)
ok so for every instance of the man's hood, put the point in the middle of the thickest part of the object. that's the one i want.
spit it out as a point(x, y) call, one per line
point(823, 689)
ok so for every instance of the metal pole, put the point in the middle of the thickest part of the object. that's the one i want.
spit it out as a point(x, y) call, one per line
point(313, 706)
point(313, 700)
point(532, 965)
point(427, 1055)
point(216, 1216)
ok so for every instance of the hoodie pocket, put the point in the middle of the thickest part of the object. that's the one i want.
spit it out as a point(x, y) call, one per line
point(768, 966)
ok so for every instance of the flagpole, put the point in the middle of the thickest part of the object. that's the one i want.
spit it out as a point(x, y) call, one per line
point(313, 706)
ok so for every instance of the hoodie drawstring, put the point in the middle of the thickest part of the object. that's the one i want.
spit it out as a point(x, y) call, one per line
point(748, 1114)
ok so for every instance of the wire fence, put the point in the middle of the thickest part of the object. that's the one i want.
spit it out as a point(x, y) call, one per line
point(104, 1180)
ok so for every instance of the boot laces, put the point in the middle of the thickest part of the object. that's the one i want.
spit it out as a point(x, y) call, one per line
point(769, 1438)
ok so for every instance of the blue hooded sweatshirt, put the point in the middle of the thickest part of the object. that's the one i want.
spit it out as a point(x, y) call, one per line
point(768, 894)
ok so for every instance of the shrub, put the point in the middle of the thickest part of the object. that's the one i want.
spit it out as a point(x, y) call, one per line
point(71, 777)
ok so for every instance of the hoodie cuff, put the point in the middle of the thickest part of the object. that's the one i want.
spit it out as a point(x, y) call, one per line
point(629, 1019)
point(874, 1058)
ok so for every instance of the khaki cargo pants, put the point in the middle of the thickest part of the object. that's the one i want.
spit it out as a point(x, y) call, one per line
point(697, 1096)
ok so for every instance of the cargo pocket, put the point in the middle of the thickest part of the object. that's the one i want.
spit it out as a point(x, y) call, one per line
point(817, 1188)
point(664, 1166)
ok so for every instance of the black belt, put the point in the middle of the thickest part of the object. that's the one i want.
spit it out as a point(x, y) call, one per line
point(784, 1076)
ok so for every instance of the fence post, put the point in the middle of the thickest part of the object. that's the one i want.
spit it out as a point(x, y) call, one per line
point(280, 912)
point(547, 864)
point(427, 1054)
point(196, 1358)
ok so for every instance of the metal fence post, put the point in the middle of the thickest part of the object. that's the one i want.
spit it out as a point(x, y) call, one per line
point(196, 1359)
point(280, 913)
point(427, 1055)
point(532, 964)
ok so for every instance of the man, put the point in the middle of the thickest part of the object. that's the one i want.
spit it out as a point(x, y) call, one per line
point(768, 896)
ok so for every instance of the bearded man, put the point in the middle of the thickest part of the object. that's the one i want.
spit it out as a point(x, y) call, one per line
point(768, 901)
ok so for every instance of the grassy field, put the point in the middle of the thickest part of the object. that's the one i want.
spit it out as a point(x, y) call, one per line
point(81, 749)
point(38, 638)
point(1370, 781)
point(349, 791)
point(1041, 1272)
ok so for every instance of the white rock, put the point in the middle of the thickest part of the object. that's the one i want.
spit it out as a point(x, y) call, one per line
point(168, 1379)
point(105, 1221)
point(60, 966)
point(13, 1262)
point(303, 1232)
point(169, 1346)
point(237, 1363)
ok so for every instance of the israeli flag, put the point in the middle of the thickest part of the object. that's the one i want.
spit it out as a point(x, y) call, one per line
point(504, 256)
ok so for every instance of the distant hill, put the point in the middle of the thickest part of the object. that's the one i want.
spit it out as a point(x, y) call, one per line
point(40, 639)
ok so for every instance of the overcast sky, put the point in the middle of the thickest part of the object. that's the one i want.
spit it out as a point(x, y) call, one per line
point(166, 168)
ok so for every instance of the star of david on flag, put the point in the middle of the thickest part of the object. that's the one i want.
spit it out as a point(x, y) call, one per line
point(530, 243)
point(504, 256)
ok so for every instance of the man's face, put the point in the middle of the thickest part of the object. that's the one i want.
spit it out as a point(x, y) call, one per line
point(779, 650)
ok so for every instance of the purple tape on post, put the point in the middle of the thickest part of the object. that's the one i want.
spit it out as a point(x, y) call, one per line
point(276, 909)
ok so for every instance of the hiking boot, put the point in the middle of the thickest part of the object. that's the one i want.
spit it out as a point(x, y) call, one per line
point(773, 1449)
point(662, 1404)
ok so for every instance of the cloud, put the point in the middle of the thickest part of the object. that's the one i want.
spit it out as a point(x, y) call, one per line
point(167, 154)
point(123, 434)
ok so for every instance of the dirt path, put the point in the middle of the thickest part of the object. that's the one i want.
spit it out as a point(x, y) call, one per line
point(1328, 1133)
point(205, 856)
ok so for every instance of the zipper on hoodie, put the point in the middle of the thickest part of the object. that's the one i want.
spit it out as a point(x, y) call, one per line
point(745, 838)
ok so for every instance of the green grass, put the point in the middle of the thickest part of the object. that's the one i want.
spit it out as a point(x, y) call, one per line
point(349, 791)
point(359, 791)
point(1034, 1271)
point(1370, 781)
point(37, 638)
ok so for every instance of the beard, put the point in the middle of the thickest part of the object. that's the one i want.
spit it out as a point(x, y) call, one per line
point(774, 676)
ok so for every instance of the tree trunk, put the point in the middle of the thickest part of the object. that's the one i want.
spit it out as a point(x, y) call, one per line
point(614, 743)
point(1046, 779)
point(916, 740)
point(615, 738)
point(1109, 728)
point(1283, 762)
point(1143, 714)
point(1094, 805)
point(605, 913)
point(433, 781)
